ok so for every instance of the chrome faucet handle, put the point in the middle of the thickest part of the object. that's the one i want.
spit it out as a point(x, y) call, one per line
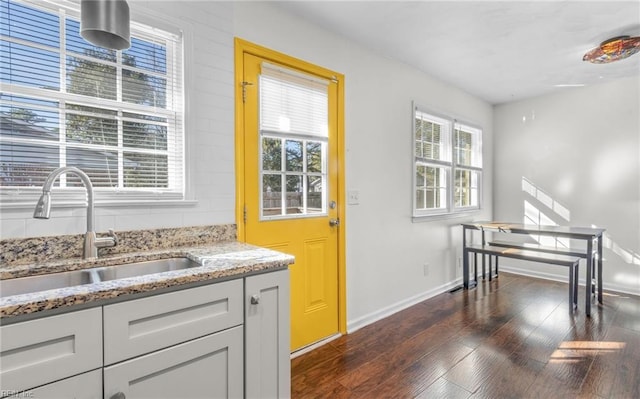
point(110, 241)
point(113, 235)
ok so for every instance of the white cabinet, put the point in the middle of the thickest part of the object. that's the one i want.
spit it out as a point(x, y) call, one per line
point(41, 351)
point(208, 367)
point(267, 342)
point(222, 340)
point(144, 325)
point(83, 386)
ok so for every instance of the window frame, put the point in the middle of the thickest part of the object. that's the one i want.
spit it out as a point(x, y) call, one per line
point(143, 27)
point(275, 73)
point(450, 164)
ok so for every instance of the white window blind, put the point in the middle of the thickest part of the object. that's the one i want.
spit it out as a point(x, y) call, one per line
point(293, 103)
point(117, 115)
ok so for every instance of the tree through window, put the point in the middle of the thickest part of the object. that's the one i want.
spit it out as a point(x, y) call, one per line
point(117, 115)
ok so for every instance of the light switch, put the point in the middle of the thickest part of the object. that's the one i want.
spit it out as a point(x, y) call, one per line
point(353, 197)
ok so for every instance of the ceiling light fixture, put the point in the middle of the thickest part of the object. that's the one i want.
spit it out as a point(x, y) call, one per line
point(614, 49)
point(105, 23)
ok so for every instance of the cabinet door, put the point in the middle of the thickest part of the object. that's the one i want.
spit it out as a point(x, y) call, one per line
point(208, 367)
point(145, 325)
point(267, 342)
point(41, 351)
point(83, 386)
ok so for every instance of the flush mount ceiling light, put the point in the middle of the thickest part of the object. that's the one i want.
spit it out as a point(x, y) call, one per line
point(105, 23)
point(614, 49)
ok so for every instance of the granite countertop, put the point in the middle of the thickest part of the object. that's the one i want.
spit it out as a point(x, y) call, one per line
point(219, 260)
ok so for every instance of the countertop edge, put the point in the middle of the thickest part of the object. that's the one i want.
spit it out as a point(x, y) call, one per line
point(219, 261)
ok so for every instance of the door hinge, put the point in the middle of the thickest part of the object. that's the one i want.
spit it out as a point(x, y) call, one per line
point(244, 214)
point(244, 90)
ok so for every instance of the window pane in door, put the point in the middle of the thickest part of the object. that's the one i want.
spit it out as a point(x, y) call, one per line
point(314, 156)
point(294, 155)
point(271, 194)
point(315, 194)
point(294, 195)
point(271, 154)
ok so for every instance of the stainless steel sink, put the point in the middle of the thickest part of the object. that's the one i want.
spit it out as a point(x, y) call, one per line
point(141, 268)
point(44, 282)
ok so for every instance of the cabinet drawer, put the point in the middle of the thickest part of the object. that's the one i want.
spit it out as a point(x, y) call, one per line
point(83, 386)
point(144, 325)
point(40, 351)
point(208, 367)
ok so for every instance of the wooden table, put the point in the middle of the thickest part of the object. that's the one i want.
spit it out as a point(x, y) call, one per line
point(592, 236)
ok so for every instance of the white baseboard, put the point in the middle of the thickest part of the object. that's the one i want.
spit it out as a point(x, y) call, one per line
point(370, 318)
point(315, 345)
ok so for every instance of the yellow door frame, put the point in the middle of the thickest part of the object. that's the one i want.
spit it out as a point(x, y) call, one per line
point(241, 47)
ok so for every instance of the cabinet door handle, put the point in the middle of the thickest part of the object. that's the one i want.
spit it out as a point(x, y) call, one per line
point(255, 299)
point(118, 395)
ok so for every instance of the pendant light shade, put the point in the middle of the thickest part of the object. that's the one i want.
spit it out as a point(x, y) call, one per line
point(105, 23)
point(614, 49)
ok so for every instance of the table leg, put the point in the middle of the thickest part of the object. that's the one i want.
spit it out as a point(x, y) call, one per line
point(600, 238)
point(483, 256)
point(465, 260)
point(589, 282)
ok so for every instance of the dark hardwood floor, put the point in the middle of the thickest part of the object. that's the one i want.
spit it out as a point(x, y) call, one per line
point(513, 337)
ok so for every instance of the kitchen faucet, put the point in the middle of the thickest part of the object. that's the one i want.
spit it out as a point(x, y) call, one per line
point(43, 211)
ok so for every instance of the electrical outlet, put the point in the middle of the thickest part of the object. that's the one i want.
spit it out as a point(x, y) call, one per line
point(426, 269)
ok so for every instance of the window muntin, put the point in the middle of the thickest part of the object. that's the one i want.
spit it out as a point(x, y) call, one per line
point(447, 165)
point(115, 114)
point(294, 135)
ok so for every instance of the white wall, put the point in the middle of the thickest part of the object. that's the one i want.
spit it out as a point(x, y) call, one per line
point(209, 133)
point(385, 250)
point(581, 150)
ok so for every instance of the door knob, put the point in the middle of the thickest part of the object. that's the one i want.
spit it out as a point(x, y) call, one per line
point(334, 222)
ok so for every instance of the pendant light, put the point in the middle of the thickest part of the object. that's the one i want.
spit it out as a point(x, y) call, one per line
point(614, 49)
point(105, 23)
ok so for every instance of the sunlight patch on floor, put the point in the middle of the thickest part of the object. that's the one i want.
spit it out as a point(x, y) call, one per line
point(576, 351)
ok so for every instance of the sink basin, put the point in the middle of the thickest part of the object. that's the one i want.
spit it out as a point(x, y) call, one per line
point(141, 268)
point(44, 282)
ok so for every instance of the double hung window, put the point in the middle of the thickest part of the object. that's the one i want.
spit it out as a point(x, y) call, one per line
point(117, 115)
point(447, 165)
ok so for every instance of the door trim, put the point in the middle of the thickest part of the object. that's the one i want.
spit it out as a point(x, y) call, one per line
point(240, 48)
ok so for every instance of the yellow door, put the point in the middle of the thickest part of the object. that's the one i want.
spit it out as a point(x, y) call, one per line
point(288, 120)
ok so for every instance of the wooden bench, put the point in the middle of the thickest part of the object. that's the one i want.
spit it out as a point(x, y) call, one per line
point(539, 248)
point(546, 249)
point(569, 261)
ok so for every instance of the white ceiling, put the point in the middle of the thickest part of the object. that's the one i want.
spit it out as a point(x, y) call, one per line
point(498, 51)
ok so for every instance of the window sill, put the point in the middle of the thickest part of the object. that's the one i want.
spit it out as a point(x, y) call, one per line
point(445, 216)
point(29, 206)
